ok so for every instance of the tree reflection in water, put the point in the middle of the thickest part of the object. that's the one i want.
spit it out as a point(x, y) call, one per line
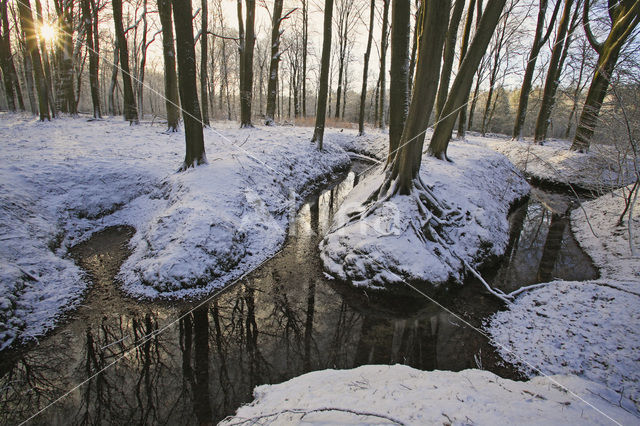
point(281, 321)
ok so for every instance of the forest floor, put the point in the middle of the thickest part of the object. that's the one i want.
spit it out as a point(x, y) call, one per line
point(62, 181)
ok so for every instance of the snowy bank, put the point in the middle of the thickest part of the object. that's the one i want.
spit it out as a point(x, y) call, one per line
point(600, 170)
point(584, 328)
point(63, 180)
point(384, 249)
point(380, 394)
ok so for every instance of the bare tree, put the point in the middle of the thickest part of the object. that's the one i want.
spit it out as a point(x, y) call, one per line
point(247, 42)
point(399, 76)
point(9, 74)
point(624, 16)
point(365, 69)
point(459, 93)
point(384, 44)
point(89, 15)
point(558, 54)
point(321, 110)
point(130, 110)
point(276, 33)
point(539, 41)
point(26, 20)
point(194, 137)
point(449, 55)
point(204, 50)
point(170, 76)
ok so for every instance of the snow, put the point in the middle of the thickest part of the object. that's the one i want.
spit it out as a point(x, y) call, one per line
point(380, 394)
point(383, 249)
point(63, 180)
point(603, 168)
point(584, 328)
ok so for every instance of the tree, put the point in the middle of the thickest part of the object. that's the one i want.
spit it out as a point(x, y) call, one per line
point(449, 55)
point(459, 93)
point(538, 42)
point(272, 85)
point(66, 95)
point(194, 137)
point(402, 172)
point(464, 46)
point(345, 11)
point(321, 109)
point(305, 41)
point(130, 110)
point(26, 20)
point(560, 46)
point(624, 16)
point(246, 45)
point(204, 50)
point(365, 70)
point(45, 61)
point(169, 55)
point(399, 72)
point(384, 44)
point(89, 18)
point(9, 73)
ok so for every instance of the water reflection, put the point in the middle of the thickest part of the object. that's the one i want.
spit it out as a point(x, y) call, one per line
point(283, 320)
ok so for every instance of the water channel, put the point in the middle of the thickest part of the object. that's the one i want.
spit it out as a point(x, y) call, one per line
point(284, 319)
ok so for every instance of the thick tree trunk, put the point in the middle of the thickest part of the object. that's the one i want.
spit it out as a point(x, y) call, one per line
point(93, 57)
point(66, 93)
point(365, 70)
point(625, 16)
point(406, 165)
point(553, 75)
point(194, 137)
point(399, 72)
point(111, 104)
point(459, 93)
point(130, 110)
point(169, 55)
point(46, 67)
point(246, 80)
point(449, 55)
point(321, 109)
point(26, 20)
point(272, 84)
point(204, 50)
point(383, 62)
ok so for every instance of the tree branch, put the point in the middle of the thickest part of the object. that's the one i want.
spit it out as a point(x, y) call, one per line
point(597, 46)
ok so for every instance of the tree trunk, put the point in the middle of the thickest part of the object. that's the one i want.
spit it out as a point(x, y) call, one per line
point(169, 55)
point(9, 74)
point(93, 58)
point(246, 70)
point(45, 63)
point(383, 62)
point(114, 81)
point(538, 43)
point(406, 165)
point(365, 70)
point(449, 55)
point(625, 16)
point(459, 93)
point(272, 85)
point(194, 137)
point(321, 109)
point(130, 110)
point(305, 40)
point(466, 35)
point(66, 93)
point(204, 50)
point(26, 20)
point(399, 76)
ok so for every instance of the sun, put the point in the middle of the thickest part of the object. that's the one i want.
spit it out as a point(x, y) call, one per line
point(48, 32)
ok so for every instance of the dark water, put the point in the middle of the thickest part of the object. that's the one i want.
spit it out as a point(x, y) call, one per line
point(283, 320)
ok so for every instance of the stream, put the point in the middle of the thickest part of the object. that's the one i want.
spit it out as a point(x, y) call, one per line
point(284, 319)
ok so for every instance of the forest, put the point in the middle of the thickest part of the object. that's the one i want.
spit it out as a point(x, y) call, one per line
point(335, 211)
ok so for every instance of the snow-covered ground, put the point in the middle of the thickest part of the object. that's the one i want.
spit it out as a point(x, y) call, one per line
point(603, 168)
point(385, 248)
point(63, 180)
point(381, 394)
point(585, 328)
